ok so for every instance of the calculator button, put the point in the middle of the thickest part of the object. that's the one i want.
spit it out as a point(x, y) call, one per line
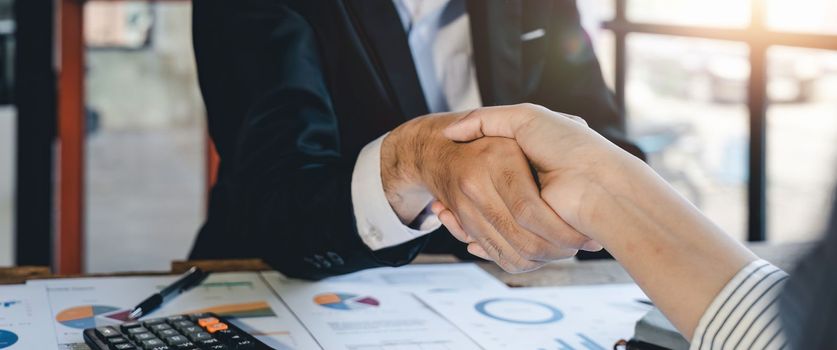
point(123, 346)
point(117, 340)
point(126, 327)
point(218, 347)
point(135, 330)
point(107, 332)
point(153, 321)
point(159, 327)
point(182, 324)
point(175, 318)
point(200, 336)
point(152, 343)
point(176, 340)
point(216, 327)
point(143, 336)
point(191, 329)
point(206, 321)
point(167, 333)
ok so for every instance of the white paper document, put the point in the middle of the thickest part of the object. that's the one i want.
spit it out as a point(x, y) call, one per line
point(427, 277)
point(24, 319)
point(348, 316)
point(557, 318)
point(243, 297)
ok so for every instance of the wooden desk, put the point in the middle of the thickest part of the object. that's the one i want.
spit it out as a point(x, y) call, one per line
point(569, 272)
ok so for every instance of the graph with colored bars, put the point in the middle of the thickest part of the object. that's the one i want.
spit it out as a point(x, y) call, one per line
point(584, 341)
point(241, 310)
point(345, 301)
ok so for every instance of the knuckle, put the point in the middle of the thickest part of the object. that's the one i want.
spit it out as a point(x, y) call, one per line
point(471, 186)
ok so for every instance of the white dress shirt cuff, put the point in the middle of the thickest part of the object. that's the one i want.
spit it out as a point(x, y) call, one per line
point(377, 223)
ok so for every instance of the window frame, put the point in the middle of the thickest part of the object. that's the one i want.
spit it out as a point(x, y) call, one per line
point(759, 39)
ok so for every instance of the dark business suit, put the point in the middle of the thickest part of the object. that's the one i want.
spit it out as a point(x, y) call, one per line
point(295, 89)
point(808, 305)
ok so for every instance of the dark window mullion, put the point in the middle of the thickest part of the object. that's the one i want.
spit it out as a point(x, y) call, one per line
point(757, 105)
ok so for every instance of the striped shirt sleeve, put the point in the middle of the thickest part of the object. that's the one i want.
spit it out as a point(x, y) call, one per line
point(744, 315)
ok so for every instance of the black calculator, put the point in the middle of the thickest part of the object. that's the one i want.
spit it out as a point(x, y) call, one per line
point(205, 331)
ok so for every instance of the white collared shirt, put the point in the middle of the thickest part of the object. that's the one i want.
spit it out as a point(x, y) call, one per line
point(439, 35)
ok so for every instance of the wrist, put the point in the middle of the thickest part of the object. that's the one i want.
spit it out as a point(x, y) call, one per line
point(585, 195)
point(403, 166)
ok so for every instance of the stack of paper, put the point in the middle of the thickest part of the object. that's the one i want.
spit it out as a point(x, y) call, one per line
point(421, 307)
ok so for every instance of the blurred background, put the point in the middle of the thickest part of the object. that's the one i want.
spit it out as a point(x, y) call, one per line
point(735, 102)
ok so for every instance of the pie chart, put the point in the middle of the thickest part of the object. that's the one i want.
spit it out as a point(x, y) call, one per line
point(519, 311)
point(346, 301)
point(7, 339)
point(89, 316)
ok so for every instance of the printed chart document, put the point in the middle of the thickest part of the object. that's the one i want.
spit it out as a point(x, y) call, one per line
point(427, 277)
point(244, 297)
point(347, 316)
point(24, 319)
point(565, 318)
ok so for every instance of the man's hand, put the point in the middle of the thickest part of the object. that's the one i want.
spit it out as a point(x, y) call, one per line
point(567, 155)
point(487, 185)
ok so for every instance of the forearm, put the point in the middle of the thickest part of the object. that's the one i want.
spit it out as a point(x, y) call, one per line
point(678, 257)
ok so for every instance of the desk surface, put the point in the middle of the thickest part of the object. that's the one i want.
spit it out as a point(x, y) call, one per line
point(569, 272)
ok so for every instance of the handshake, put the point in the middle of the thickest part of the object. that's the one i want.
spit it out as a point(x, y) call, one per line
point(521, 185)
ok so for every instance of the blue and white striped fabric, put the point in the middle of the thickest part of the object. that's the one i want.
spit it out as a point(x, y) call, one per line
point(745, 314)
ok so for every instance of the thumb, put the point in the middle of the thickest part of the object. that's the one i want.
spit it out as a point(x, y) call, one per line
point(467, 128)
point(502, 121)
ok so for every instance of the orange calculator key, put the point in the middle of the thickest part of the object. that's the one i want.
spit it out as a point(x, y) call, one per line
point(216, 327)
point(208, 321)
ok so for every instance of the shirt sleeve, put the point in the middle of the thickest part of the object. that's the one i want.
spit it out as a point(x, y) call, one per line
point(377, 223)
point(744, 315)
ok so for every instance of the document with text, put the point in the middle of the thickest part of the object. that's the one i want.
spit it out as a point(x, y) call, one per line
point(577, 317)
point(24, 319)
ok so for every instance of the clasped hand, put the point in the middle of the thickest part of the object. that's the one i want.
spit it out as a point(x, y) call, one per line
point(484, 188)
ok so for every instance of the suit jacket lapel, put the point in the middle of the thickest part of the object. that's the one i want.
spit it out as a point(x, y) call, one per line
point(386, 42)
point(495, 32)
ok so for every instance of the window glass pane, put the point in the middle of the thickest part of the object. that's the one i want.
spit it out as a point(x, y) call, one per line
point(802, 141)
point(718, 13)
point(687, 109)
point(593, 13)
point(7, 176)
point(145, 154)
point(819, 16)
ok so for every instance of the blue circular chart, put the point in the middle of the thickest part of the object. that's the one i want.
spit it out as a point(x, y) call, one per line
point(7, 339)
point(519, 311)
